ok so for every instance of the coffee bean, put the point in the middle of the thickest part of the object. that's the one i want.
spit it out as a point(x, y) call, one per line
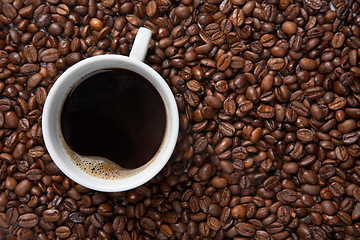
point(147, 223)
point(62, 9)
point(40, 38)
point(338, 103)
point(350, 138)
point(289, 195)
point(268, 101)
point(63, 232)
point(51, 215)
point(223, 145)
point(336, 189)
point(245, 106)
point(218, 182)
point(119, 224)
point(9, 10)
point(34, 80)
point(213, 102)
point(205, 172)
point(289, 28)
point(28, 220)
point(353, 112)
point(227, 129)
point(23, 187)
point(299, 108)
point(328, 207)
point(11, 119)
point(29, 68)
point(49, 55)
point(347, 126)
point(304, 135)
point(356, 212)
point(223, 62)
point(30, 53)
point(200, 144)
point(314, 93)
point(73, 58)
point(237, 17)
point(245, 229)
point(266, 111)
point(4, 73)
point(271, 182)
point(34, 174)
point(229, 106)
point(338, 40)
point(214, 223)
point(12, 215)
point(327, 171)
point(276, 64)
point(239, 153)
point(307, 64)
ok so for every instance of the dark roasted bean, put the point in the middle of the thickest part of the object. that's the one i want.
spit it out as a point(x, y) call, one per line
point(268, 99)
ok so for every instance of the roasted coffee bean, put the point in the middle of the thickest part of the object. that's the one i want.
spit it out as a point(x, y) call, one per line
point(227, 129)
point(245, 229)
point(289, 28)
point(29, 68)
point(214, 223)
point(63, 232)
point(276, 63)
point(289, 195)
point(337, 104)
point(266, 111)
point(51, 215)
point(28, 220)
point(307, 64)
point(268, 96)
point(119, 224)
point(23, 187)
point(200, 144)
point(347, 126)
point(223, 62)
point(245, 106)
point(30, 53)
point(336, 189)
point(350, 138)
point(34, 174)
point(299, 108)
point(314, 93)
point(49, 55)
point(304, 135)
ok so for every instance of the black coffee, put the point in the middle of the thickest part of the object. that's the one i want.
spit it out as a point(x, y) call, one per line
point(116, 114)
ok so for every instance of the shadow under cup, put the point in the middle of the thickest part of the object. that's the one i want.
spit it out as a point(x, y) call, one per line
point(96, 172)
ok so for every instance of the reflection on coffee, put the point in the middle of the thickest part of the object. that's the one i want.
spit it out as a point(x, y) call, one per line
point(114, 114)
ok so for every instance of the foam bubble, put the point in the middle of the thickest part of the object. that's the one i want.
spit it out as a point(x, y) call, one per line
point(99, 167)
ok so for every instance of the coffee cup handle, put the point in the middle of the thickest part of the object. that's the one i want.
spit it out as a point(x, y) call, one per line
point(141, 43)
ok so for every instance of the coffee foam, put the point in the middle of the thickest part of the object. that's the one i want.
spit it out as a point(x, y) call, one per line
point(100, 167)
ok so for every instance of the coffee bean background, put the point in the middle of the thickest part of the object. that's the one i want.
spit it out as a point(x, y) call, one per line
point(269, 100)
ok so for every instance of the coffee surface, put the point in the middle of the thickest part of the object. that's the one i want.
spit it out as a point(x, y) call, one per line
point(116, 114)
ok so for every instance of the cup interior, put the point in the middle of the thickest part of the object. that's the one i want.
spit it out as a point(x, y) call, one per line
point(113, 179)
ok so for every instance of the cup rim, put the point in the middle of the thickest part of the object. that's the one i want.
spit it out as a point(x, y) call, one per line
point(52, 110)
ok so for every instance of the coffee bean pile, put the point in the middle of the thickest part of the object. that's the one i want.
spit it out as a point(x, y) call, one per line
point(269, 100)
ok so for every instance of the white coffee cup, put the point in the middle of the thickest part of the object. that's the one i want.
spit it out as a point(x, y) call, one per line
point(68, 161)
